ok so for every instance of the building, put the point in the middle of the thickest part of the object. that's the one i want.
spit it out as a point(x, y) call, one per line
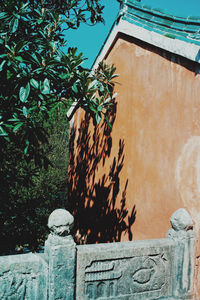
point(125, 182)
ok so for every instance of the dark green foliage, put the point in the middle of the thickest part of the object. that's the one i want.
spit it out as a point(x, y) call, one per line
point(33, 193)
point(36, 80)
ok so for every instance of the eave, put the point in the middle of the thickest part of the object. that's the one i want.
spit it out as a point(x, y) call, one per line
point(174, 34)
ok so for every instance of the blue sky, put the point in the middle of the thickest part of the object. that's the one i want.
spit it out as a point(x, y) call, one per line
point(90, 39)
point(183, 8)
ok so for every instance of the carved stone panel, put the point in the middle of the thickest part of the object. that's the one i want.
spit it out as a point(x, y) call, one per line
point(130, 270)
point(23, 277)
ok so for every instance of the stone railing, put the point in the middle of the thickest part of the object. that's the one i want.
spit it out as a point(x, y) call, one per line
point(23, 276)
point(151, 269)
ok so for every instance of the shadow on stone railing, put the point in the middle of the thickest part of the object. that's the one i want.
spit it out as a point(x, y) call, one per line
point(151, 269)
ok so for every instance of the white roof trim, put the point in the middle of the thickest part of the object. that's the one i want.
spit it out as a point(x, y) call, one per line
point(185, 49)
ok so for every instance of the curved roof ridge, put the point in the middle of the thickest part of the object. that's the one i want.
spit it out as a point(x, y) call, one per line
point(161, 12)
point(187, 29)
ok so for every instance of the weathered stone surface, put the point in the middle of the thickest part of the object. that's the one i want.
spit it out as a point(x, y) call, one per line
point(131, 270)
point(62, 272)
point(23, 276)
point(183, 235)
point(139, 270)
point(61, 249)
point(60, 222)
point(181, 220)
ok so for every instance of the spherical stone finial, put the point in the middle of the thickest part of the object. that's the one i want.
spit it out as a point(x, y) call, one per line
point(60, 222)
point(181, 220)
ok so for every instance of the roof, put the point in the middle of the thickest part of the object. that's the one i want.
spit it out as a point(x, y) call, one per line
point(186, 29)
point(176, 34)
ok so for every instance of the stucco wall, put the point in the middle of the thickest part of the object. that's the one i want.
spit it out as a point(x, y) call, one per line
point(156, 129)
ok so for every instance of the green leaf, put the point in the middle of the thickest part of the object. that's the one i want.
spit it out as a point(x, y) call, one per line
point(65, 75)
point(98, 118)
point(24, 92)
point(109, 124)
point(92, 108)
point(3, 15)
point(2, 64)
point(14, 119)
point(20, 46)
point(41, 96)
point(93, 84)
point(25, 111)
point(32, 58)
point(26, 148)
point(14, 24)
point(45, 88)
point(17, 126)
point(42, 108)
point(34, 83)
point(101, 88)
point(8, 74)
point(74, 88)
point(39, 21)
point(2, 132)
point(19, 58)
point(99, 108)
point(3, 55)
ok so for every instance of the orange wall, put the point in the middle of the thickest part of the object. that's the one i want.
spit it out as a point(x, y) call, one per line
point(157, 121)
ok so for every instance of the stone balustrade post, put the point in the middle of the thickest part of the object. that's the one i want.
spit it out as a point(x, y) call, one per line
point(183, 235)
point(60, 249)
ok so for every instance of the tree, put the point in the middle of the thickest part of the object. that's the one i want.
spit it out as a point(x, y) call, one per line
point(29, 194)
point(36, 78)
point(35, 73)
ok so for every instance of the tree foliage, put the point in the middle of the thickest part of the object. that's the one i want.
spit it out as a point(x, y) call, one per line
point(36, 79)
point(36, 74)
point(29, 193)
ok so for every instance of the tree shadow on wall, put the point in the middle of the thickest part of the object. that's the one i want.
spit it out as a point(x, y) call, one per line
point(98, 216)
